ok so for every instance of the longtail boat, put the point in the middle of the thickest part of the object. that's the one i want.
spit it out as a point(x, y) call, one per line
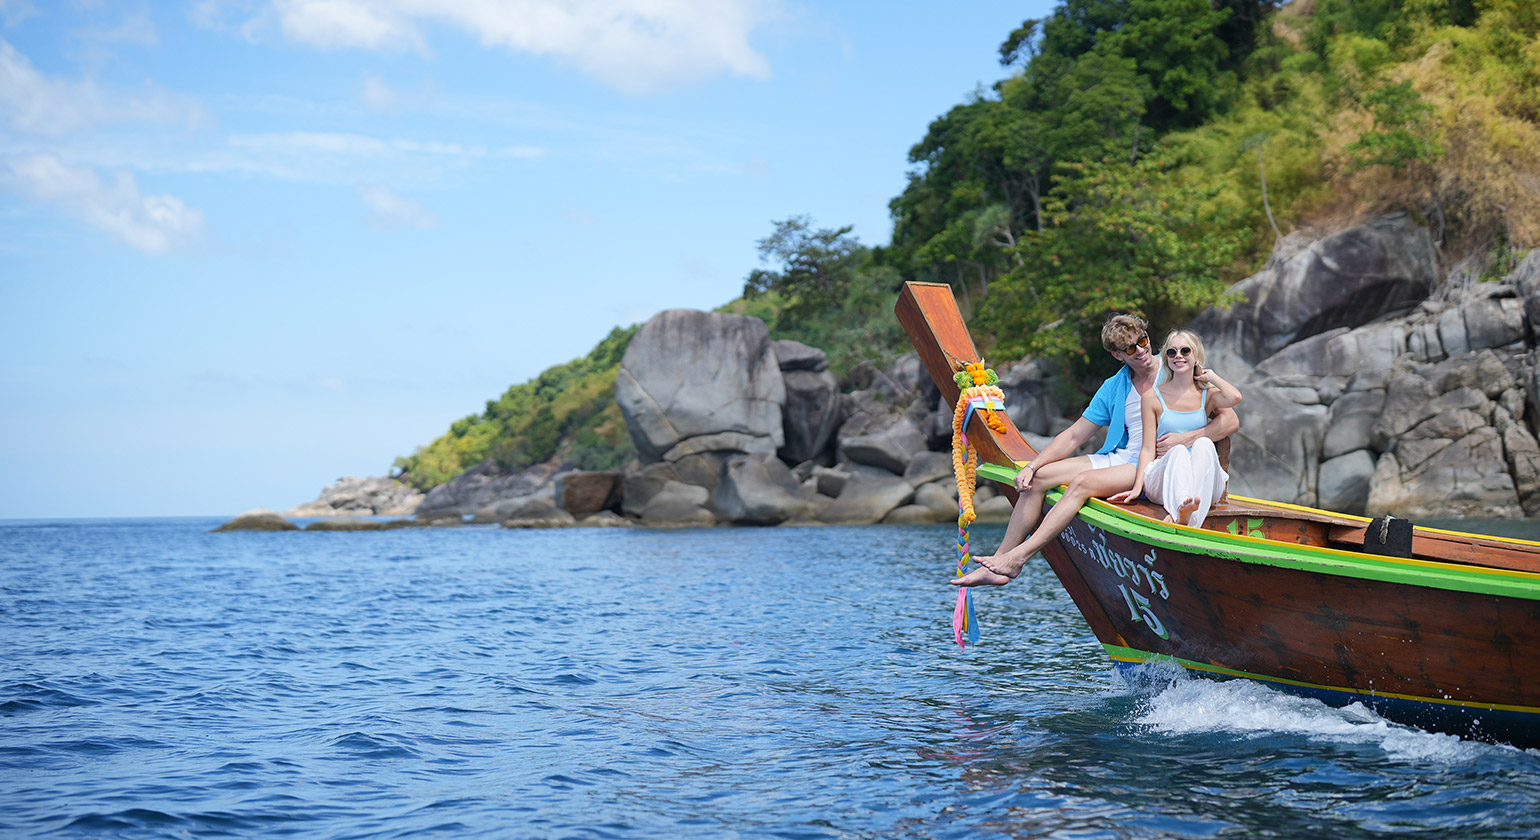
point(1443, 634)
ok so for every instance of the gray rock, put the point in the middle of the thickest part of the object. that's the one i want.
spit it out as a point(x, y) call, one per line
point(540, 504)
point(583, 493)
point(1469, 477)
point(1523, 456)
point(866, 498)
point(638, 488)
point(1343, 484)
point(830, 482)
point(993, 509)
point(1352, 416)
point(261, 519)
point(794, 355)
point(891, 448)
point(349, 523)
point(1029, 397)
point(928, 466)
point(940, 497)
point(605, 519)
point(1344, 280)
point(1340, 352)
point(483, 485)
point(759, 490)
point(557, 519)
point(811, 414)
point(354, 496)
point(913, 515)
point(712, 376)
point(1277, 452)
point(678, 503)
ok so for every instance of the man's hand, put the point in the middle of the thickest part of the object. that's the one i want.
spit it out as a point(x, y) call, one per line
point(1164, 443)
point(1024, 478)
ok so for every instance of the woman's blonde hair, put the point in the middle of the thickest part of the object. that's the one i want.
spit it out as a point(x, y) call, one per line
point(1197, 351)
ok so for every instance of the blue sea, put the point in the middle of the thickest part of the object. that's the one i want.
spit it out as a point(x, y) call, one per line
point(157, 680)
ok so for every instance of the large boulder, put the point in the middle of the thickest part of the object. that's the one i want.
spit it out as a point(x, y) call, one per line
point(1029, 397)
point(701, 382)
point(584, 493)
point(883, 428)
point(759, 490)
point(354, 496)
point(638, 488)
point(812, 405)
point(1316, 285)
point(678, 504)
point(483, 485)
point(866, 497)
point(1277, 451)
point(541, 504)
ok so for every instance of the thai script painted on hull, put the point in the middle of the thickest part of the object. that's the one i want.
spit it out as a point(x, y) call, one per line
point(1140, 574)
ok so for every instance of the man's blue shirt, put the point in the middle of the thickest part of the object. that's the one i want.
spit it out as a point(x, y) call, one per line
point(1106, 409)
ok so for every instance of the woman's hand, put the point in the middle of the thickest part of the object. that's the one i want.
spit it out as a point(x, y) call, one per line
point(1128, 496)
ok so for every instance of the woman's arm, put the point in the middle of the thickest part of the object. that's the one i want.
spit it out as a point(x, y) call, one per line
point(1149, 407)
point(1224, 394)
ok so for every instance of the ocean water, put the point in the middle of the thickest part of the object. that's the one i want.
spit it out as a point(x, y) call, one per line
point(157, 680)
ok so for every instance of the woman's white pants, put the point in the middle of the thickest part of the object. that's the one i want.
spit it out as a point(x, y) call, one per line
point(1186, 472)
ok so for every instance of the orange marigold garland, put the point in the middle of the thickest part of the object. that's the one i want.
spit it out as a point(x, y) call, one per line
point(980, 394)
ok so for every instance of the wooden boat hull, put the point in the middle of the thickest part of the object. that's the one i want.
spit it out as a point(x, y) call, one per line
point(1433, 645)
point(1444, 639)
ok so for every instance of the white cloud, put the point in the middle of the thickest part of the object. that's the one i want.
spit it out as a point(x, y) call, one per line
point(154, 224)
point(363, 146)
point(347, 23)
point(635, 46)
point(136, 29)
point(388, 210)
point(13, 12)
point(379, 96)
point(33, 103)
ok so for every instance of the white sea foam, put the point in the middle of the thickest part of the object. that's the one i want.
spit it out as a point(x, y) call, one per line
point(1178, 704)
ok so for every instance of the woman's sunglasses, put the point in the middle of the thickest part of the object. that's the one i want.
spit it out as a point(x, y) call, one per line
point(1143, 341)
point(1172, 351)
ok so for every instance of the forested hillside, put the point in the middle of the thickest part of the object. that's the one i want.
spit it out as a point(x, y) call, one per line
point(1137, 155)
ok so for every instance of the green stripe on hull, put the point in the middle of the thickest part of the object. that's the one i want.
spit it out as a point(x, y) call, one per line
point(1132, 655)
point(1315, 559)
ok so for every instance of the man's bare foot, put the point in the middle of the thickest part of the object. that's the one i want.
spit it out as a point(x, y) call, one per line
point(981, 576)
point(1185, 509)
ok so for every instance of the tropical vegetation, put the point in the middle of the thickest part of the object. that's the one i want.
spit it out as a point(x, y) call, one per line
point(1139, 155)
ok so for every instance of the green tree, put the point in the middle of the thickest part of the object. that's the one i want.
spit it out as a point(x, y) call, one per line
point(1121, 237)
point(812, 268)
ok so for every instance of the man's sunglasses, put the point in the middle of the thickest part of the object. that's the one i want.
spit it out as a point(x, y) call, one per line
point(1172, 351)
point(1144, 341)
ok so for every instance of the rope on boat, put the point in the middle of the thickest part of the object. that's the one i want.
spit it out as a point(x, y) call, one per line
point(980, 394)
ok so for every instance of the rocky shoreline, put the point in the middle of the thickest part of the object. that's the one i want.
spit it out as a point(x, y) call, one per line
point(1373, 385)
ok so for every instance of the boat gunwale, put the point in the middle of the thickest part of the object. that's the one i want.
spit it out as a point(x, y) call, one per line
point(1435, 574)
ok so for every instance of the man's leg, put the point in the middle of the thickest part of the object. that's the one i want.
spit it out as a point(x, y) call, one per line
point(1029, 503)
point(1001, 568)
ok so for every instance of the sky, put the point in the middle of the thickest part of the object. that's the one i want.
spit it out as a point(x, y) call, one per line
point(248, 247)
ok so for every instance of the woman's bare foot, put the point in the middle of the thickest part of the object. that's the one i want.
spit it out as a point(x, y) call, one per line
point(1185, 509)
point(981, 576)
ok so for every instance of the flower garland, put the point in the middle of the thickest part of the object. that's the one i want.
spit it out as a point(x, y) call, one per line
point(982, 395)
